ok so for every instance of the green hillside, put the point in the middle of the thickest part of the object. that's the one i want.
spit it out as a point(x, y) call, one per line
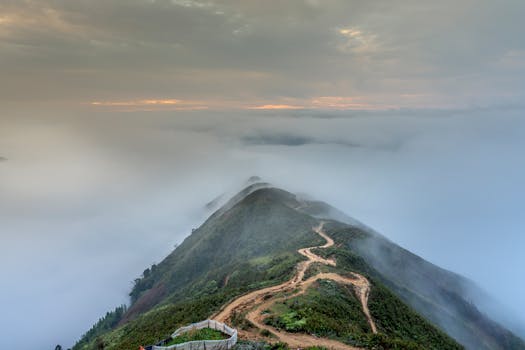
point(435, 293)
point(252, 243)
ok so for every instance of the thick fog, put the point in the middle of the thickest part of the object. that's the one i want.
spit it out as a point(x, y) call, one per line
point(115, 131)
point(89, 201)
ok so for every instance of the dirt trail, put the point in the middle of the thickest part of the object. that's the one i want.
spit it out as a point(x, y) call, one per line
point(257, 301)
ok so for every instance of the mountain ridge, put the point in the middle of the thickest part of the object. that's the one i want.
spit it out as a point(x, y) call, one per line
point(246, 228)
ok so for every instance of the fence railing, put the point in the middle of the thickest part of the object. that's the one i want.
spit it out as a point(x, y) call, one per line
point(223, 344)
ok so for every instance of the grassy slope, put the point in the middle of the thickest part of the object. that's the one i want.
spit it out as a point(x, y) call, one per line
point(250, 245)
point(332, 310)
point(400, 326)
point(435, 293)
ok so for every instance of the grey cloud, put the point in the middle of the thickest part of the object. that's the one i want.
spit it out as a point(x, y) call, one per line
point(292, 140)
point(270, 50)
point(279, 140)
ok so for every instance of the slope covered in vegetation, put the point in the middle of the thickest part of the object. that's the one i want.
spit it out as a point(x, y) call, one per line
point(252, 243)
point(437, 294)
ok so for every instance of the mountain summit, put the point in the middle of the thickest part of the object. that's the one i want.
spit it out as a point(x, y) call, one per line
point(280, 267)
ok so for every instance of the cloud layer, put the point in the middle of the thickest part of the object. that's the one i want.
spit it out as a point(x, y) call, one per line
point(239, 54)
point(89, 201)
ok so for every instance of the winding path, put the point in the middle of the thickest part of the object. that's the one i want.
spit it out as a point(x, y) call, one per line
point(255, 302)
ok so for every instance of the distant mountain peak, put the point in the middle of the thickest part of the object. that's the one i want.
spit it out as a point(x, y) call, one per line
point(253, 179)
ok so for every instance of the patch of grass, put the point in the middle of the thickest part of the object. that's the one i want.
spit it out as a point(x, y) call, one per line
point(279, 308)
point(326, 310)
point(293, 322)
point(198, 334)
point(261, 260)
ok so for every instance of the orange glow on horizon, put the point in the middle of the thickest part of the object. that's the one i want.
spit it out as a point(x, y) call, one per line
point(340, 103)
point(276, 106)
point(325, 103)
point(151, 105)
point(137, 103)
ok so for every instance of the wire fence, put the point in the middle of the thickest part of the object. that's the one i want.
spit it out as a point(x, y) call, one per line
point(223, 344)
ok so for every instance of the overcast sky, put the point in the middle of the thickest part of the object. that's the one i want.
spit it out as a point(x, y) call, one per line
point(120, 119)
point(242, 54)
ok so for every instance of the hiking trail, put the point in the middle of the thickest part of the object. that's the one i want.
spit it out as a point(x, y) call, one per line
point(257, 301)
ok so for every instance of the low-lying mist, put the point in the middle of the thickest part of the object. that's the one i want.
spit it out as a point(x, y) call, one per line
point(88, 202)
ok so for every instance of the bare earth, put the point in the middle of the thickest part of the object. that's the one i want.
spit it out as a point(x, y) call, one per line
point(255, 302)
